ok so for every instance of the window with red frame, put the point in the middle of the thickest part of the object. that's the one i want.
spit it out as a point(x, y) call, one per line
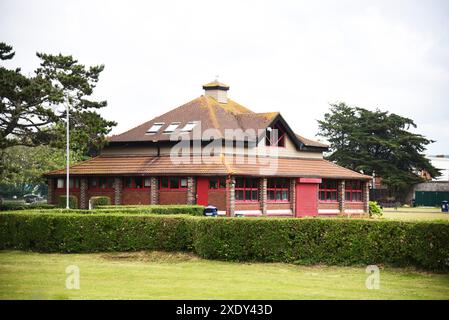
point(278, 190)
point(173, 183)
point(353, 191)
point(275, 137)
point(217, 183)
point(137, 183)
point(74, 183)
point(101, 183)
point(246, 189)
point(328, 190)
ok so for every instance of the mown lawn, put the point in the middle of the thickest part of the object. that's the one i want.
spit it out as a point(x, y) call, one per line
point(156, 275)
point(414, 214)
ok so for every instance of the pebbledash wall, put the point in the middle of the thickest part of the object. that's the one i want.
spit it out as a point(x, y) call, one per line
point(223, 199)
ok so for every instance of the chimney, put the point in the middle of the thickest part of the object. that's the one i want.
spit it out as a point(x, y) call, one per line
point(217, 90)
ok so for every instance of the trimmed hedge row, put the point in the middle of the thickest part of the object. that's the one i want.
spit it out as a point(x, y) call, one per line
point(9, 206)
point(302, 241)
point(73, 202)
point(194, 210)
point(329, 241)
point(92, 233)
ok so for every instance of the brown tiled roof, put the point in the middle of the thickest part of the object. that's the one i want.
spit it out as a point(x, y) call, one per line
point(311, 143)
point(218, 165)
point(212, 115)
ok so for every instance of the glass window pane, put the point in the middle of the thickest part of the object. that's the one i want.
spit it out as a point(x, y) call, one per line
point(183, 182)
point(147, 182)
point(239, 195)
point(278, 195)
point(60, 183)
point(271, 195)
point(138, 182)
point(333, 195)
point(164, 182)
point(285, 195)
point(247, 194)
point(254, 195)
point(239, 183)
point(174, 182)
point(93, 183)
point(223, 183)
point(212, 183)
point(348, 196)
point(128, 182)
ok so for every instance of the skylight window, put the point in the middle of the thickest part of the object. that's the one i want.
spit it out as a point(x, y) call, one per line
point(172, 127)
point(188, 127)
point(155, 127)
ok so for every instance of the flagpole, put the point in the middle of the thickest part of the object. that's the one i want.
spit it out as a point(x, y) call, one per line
point(68, 159)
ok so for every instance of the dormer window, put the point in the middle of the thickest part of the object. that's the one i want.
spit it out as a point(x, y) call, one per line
point(172, 127)
point(275, 137)
point(155, 128)
point(189, 126)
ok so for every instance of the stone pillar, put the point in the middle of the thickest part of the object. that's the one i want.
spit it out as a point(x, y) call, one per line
point(365, 196)
point(118, 187)
point(51, 190)
point(231, 197)
point(263, 195)
point(154, 197)
point(84, 201)
point(191, 190)
point(341, 195)
point(293, 195)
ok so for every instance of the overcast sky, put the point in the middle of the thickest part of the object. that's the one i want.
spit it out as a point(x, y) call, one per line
point(295, 57)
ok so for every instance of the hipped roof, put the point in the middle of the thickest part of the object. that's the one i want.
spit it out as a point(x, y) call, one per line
point(212, 166)
point(212, 115)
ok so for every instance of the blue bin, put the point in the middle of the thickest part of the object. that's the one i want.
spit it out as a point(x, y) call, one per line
point(444, 206)
point(210, 211)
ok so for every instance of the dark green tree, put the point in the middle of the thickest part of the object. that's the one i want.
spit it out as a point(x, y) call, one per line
point(376, 142)
point(33, 108)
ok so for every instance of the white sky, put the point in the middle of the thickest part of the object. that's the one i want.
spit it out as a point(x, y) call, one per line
point(289, 56)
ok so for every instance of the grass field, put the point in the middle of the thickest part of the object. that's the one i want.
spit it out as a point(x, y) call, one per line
point(413, 214)
point(156, 275)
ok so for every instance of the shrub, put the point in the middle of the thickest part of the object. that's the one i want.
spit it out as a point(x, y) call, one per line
point(8, 206)
point(194, 210)
point(327, 241)
point(71, 232)
point(301, 241)
point(100, 201)
point(73, 202)
point(374, 209)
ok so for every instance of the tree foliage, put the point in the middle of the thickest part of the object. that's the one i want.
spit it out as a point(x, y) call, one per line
point(33, 108)
point(33, 118)
point(376, 142)
point(26, 165)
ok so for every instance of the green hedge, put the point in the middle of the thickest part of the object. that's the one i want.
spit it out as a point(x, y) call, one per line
point(329, 241)
point(194, 210)
point(8, 206)
point(50, 232)
point(302, 241)
point(73, 202)
point(100, 201)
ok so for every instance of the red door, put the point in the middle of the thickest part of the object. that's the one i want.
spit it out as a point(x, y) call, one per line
point(307, 197)
point(202, 189)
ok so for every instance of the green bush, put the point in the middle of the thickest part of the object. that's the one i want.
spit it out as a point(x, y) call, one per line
point(69, 232)
point(73, 202)
point(100, 201)
point(194, 210)
point(9, 206)
point(302, 241)
point(327, 241)
point(374, 209)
